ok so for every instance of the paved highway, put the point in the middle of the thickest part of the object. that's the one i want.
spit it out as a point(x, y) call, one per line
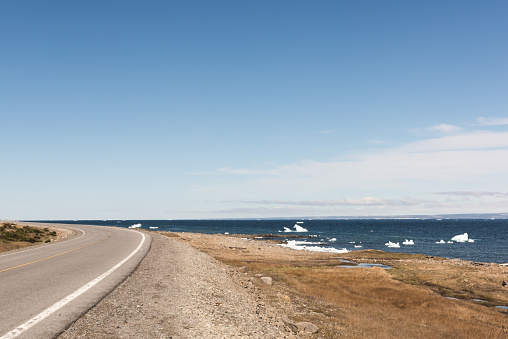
point(45, 289)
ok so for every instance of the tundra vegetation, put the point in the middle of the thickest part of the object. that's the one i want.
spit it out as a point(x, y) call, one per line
point(14, 236)
point(419, 297)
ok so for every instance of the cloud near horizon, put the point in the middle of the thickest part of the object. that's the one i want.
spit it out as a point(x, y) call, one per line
point(367, 201)
point(453, 165)
point(474, 194)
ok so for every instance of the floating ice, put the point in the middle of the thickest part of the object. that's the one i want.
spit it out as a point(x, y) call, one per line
point(440, 242)
point(408, 242)
point(226, 233)
point(297, 228)
point(358, 246)
point(296, 245)
point(392, 244)
point(461, 238)
point(299, 222)
point(333, 240)
point(135, 226)
point(154, 227)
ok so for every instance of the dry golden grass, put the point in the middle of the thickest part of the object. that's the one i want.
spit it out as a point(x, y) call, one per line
point(404, 302)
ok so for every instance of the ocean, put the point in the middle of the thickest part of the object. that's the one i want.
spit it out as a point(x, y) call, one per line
point(486, 239)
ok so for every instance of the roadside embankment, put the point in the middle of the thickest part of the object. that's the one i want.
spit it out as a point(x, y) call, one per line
point(180, 292)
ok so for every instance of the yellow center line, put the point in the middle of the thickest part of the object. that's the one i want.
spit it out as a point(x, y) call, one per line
point(56, 255)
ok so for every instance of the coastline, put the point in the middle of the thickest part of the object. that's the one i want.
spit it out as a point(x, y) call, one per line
point(420, 297)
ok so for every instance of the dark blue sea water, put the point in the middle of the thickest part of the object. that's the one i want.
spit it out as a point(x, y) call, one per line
point(490, 236)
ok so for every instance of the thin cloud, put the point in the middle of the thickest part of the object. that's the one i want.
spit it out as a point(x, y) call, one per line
point(326, 132)
point(476, 140)
point(492, 121)
point(376, 142)
point(478, 194)
point(445, 128)
point(367, 201)
point(437, 129)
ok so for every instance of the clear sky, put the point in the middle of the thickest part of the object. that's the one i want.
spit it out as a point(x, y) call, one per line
point(232, 109)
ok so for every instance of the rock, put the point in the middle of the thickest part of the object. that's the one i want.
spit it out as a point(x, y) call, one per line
point(504, 283)
point(306, 327)
point(290, 325)
point(243, 269)
point(267, 280)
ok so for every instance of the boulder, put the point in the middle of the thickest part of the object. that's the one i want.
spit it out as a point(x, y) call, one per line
point(290, 325)
point(306, 327)
point(267, 280)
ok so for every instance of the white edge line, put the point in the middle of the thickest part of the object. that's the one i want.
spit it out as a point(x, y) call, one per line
point(59, 304)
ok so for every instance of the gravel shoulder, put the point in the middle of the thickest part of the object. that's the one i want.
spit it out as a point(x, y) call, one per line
point(180, 292)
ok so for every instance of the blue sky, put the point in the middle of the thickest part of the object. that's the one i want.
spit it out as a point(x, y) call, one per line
point(201, 109)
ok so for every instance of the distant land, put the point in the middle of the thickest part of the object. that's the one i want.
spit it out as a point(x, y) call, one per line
point(415, 216)
point(380, 217)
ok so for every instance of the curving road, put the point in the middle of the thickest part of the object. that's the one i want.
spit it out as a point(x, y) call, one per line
point(45, 289)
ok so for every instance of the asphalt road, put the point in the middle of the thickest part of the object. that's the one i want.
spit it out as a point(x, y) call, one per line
point(43, 290)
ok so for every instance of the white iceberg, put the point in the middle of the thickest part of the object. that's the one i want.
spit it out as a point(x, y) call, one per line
point(333, 240)
point(408, 242)
point(440, 242)
point(299, 228)
point(358, 246)
point(461, 238)
point(135, 226)
point(392, 244)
